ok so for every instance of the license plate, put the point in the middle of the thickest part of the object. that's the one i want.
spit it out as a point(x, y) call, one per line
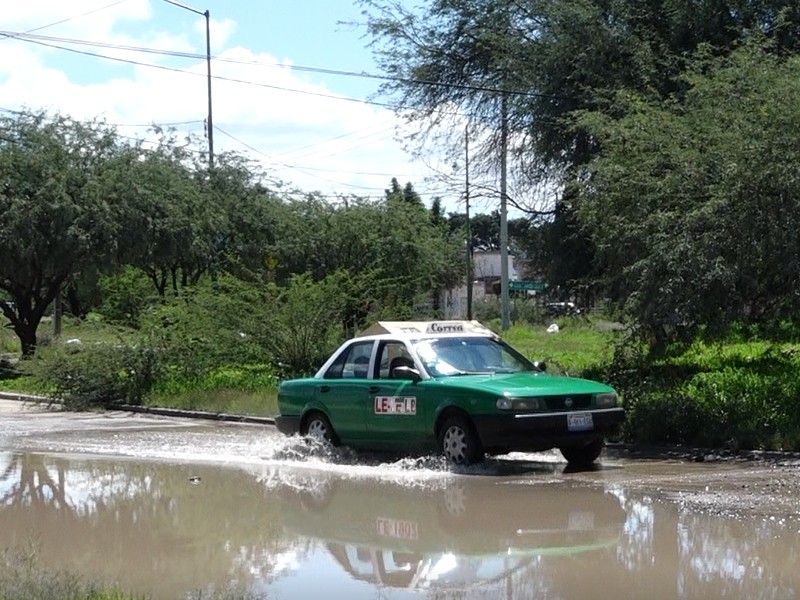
point(580, 422)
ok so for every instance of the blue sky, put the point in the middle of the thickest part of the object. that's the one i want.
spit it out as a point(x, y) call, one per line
point(309, 130)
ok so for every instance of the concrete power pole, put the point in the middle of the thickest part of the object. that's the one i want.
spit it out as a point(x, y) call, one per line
point(504, 296)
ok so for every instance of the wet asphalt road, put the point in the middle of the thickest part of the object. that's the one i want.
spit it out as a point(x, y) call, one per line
point(176, 507)
point(753, 485)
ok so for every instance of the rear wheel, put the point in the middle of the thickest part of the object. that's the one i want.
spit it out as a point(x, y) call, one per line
point(318, 427)
point(459, 442)
point(583, 455)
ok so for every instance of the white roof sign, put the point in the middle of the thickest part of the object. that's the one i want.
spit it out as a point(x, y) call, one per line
point(427, 327)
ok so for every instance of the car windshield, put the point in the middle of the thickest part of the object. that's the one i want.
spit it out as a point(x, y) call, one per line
point(448, 356)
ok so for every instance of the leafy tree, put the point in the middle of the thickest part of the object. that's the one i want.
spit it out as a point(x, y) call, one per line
point(406, 194)
point(126, 296)
point(536, 65)
point(247, 225)
point(389, 253)
point(169, 214)
point(694, 205)
point(55, 211)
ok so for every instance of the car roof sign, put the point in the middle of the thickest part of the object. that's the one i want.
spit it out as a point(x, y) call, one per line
point(426, 327)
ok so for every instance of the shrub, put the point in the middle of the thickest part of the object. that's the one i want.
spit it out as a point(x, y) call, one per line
point(97, 375)
point(739, 396)
point(126, 296)
point(23, 577)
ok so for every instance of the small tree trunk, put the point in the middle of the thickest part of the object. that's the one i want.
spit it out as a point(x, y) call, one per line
point(27, 338)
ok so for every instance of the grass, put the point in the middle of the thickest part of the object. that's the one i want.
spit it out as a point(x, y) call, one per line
point(23, 577)
point(231, 401)
point(252, 389)
point(580, 343)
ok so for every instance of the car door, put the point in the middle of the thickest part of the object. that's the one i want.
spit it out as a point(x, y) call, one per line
point(344, 391)
point(400, 414)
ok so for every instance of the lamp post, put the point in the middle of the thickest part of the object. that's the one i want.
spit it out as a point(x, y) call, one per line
point(210, 121)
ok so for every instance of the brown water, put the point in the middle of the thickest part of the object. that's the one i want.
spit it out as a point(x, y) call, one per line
point(189, 511)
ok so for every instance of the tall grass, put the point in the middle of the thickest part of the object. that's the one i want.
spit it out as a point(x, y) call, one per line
point(22, 577)
point(580, 344)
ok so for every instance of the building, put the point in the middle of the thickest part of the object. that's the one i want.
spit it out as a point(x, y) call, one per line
point(486, 267)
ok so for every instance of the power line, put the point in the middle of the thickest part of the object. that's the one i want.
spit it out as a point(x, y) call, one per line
point(68, 19)
point(305, 170)
point(48, 40)
point(185, 72)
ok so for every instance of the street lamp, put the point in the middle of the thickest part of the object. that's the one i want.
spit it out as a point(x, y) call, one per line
point(210, 122)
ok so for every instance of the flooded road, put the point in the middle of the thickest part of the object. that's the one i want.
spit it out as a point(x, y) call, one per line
point(171, 508)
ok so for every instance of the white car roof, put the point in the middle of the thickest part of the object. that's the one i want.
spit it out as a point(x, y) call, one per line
point(422, 329)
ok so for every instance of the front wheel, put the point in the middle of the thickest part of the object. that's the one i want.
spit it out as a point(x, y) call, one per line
point(318, 427)
point(459, 442)
point(583, 455)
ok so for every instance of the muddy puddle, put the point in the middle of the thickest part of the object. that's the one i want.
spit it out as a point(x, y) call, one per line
point(169, 511)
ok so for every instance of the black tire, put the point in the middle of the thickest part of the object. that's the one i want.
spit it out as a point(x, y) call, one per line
point(459, 442)
point(318, 426)
point(583, 455)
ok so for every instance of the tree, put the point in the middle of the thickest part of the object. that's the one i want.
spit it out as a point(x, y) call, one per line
point(171, 221)
point(386, 255)
point(55, 211)
point(694, 203)
point(548, 61)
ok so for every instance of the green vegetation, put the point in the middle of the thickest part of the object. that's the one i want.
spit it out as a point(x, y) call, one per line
point(580, 344)
point(655, 133)
point(24, 577)
point(736, 394)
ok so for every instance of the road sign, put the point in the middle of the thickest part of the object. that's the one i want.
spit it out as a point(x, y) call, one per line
point(537, 285)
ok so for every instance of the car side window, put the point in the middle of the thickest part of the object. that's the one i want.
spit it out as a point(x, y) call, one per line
point(352, 362)
point(392, 354)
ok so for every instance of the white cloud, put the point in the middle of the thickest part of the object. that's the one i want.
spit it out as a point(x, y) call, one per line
point(305, 134)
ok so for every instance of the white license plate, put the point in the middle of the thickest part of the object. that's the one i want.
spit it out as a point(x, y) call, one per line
point(580, 422)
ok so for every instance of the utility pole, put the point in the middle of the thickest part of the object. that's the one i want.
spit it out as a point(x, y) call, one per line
point(469, 226)
point(504, 296)
point(210, 119)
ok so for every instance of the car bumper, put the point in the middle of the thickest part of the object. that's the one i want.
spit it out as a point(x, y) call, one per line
point(288, 425)
point(535, 432)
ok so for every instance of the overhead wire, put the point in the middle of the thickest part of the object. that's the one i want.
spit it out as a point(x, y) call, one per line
point(68, 19)
point(38, 39)
point(27, 36)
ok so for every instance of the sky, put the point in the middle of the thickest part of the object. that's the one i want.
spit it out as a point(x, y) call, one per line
point(310, 130)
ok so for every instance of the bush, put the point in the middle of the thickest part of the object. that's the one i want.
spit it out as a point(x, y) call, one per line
point(126, 296)
point(22, 577)
point(737, 396)
point(97, 375)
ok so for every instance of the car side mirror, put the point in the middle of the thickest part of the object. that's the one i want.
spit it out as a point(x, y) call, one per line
point(541, 365)
point(404, 372)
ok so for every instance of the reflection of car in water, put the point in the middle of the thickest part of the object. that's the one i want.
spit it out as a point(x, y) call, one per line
point(450, 532)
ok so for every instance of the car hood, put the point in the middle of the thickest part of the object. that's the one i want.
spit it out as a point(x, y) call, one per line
point(525, 384)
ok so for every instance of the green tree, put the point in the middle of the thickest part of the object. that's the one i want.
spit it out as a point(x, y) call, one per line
point(55, 211)
point(694, 204)
point(387, 255)
point(246, 225)
point(170, 218)
point(536, 65)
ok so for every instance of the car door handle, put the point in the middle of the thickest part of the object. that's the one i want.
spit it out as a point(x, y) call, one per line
point(324, 388)
point(374, 389)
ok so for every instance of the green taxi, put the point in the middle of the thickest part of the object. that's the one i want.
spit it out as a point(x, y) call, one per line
point(451, 386)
